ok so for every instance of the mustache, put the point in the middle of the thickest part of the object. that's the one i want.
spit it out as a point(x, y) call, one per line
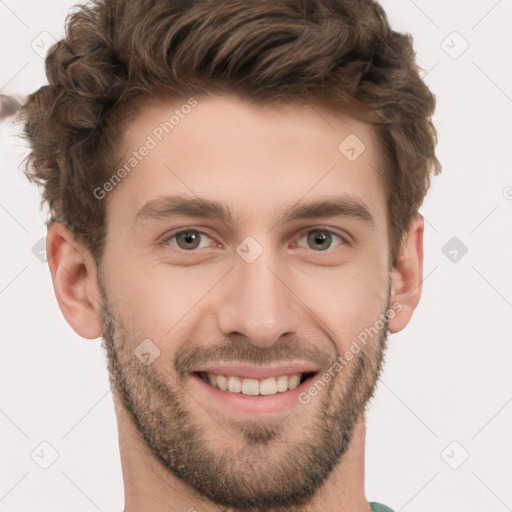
point(238, 349)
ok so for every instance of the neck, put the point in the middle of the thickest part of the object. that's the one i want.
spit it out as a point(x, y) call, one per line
point(150, 487)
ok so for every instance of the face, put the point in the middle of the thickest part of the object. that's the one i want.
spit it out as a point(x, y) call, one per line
point(246, 258)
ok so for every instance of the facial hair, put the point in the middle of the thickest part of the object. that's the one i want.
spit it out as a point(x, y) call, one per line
point(273, 471)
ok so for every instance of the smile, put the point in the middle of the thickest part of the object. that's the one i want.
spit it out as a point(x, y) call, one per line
point(240, 388)
point(253, 387)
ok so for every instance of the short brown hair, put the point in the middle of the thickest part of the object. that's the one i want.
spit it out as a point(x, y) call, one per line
point(343, 52)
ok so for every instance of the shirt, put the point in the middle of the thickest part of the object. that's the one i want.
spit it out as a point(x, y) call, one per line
point(376, 507)
point(379, 507)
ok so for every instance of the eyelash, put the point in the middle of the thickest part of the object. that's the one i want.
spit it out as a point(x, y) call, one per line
point(165, 242)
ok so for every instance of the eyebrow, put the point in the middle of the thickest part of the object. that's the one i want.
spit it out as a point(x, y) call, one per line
point(327, 206)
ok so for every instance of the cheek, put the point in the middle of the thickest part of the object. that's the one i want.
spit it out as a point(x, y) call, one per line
point(158, 300)
point(164, 302)
point(345, 300)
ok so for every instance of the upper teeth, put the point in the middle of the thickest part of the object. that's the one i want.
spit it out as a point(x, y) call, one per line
point(268, 386)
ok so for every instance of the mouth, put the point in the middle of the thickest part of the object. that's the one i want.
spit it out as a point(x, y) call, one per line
point(238, 390)
point(249, 386)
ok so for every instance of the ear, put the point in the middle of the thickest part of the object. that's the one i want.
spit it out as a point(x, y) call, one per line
point(74, 277)
point(407, 275)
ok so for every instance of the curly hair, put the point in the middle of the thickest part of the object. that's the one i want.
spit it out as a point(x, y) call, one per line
point(342, 52)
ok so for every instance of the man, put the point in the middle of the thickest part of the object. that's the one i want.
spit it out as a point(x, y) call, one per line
point(234, 191)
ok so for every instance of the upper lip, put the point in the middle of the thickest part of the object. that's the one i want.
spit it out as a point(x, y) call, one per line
point(256, 372)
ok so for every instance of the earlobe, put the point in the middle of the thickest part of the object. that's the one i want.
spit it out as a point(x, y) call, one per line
point(74, 277)
point(407, 276)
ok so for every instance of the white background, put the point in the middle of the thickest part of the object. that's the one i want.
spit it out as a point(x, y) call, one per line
point(447, 376)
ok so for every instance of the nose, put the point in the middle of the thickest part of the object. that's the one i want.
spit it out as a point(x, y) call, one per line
point(258, 302)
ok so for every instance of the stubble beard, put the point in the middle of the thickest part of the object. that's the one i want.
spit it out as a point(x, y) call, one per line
point(273, 470)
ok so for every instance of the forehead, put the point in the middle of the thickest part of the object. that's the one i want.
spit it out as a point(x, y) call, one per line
point(255, 157)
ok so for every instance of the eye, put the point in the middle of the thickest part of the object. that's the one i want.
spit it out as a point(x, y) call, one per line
point(187, 240)
point(321, 239)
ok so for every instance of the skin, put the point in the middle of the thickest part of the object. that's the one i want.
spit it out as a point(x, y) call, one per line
point(295, 302)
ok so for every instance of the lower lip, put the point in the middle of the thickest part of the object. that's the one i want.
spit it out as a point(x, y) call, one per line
point(256, 404)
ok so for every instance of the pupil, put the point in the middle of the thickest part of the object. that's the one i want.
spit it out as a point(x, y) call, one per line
point(319, 238)
point(189, 238)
